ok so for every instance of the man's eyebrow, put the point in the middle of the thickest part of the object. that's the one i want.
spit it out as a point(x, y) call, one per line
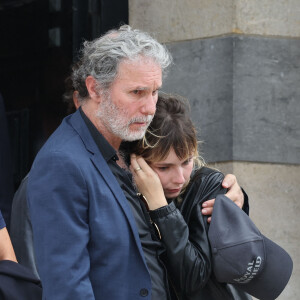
point(141, 88)
point(144, 88)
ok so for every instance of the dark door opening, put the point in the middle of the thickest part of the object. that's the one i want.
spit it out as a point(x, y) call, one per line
point(39, 40)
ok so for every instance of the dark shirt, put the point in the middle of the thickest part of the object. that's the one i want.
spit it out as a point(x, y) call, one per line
point(150, 244)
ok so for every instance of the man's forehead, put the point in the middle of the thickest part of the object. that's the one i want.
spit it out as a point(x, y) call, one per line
point(139, 62)
point(140, 74)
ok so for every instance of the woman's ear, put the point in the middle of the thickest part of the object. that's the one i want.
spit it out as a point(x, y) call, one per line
point(91, 86)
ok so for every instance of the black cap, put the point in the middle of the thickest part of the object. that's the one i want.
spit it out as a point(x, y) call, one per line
point(243, 256)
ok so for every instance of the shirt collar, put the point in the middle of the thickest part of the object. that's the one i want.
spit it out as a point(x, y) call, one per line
point(107, 151)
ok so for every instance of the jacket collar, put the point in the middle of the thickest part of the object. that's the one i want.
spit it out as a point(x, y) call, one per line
point(77, 122)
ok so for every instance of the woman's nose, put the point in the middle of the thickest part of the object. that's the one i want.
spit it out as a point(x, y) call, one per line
point(178, 177)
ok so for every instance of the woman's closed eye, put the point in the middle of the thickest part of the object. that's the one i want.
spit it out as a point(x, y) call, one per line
point(186, 162)
point(162, 168)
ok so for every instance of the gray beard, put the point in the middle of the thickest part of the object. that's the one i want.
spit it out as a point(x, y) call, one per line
point(117, 122)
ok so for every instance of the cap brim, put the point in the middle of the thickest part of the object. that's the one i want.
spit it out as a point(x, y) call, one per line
point(275, 275)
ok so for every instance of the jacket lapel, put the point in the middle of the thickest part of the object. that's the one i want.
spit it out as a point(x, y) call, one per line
point(99, 162)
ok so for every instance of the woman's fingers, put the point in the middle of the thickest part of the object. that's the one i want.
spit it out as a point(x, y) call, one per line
point(147, 182)
point(134, 166)
point(139, 165)
point(144, 165)
point(133, 162)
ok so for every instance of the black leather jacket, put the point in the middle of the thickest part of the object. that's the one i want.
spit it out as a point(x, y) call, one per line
point(183, 231)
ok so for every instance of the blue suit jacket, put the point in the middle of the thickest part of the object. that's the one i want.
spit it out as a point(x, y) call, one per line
point(85, 236)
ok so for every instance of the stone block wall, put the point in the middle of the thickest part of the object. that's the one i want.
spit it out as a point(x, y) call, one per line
point(238, 63)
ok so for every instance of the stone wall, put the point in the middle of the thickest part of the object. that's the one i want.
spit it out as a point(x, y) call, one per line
point(238, 62)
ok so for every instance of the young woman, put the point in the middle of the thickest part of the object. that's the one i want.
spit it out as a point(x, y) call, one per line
point(174, 184)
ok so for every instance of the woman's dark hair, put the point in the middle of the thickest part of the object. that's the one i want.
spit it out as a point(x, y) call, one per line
point(171, 127)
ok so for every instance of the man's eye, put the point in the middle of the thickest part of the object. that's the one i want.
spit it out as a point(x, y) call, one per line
point(154, 92)
point(137, 92)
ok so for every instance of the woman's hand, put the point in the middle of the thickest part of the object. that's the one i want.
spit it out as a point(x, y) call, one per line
point(234, 193)
point(148, 182)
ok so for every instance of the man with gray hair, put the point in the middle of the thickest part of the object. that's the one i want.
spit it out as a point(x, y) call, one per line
point(93, 239)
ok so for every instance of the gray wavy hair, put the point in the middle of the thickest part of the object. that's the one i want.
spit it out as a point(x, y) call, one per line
point(101, 57)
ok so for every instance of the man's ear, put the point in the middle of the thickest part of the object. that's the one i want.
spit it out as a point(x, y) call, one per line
point(75, 99)
point(91, 86)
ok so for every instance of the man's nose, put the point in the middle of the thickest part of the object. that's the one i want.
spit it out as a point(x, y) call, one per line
point(149, 106)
